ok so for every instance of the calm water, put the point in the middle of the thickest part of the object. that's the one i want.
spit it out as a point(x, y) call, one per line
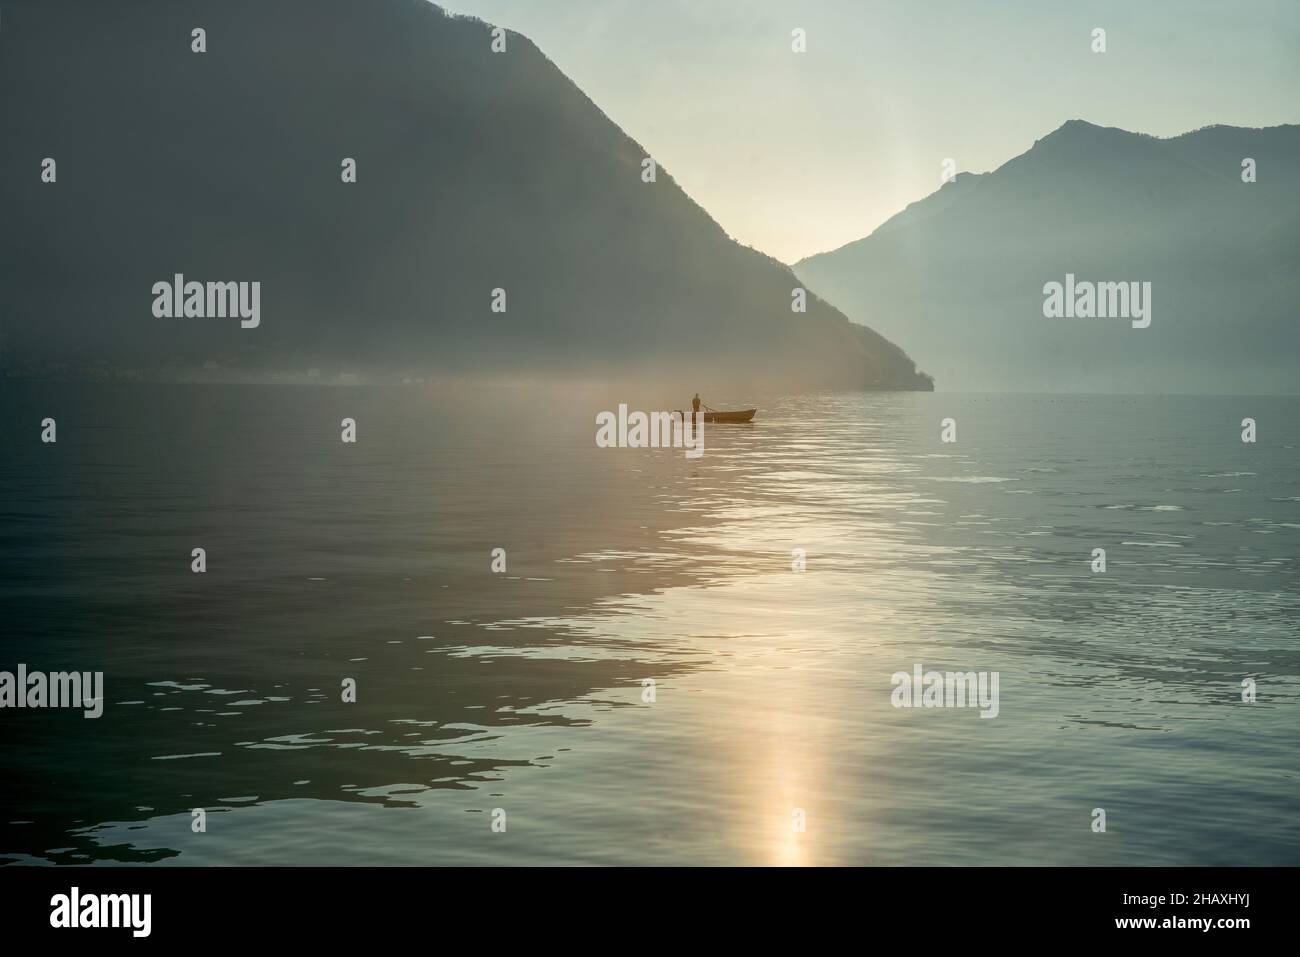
point(523, 690)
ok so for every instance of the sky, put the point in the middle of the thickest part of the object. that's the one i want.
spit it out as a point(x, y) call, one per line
point(796, 154)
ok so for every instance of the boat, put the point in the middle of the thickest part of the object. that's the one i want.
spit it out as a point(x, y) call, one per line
point(745, 415)
point(713, 416)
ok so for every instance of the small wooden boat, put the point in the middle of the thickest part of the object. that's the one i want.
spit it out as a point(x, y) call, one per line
point(747, 415)
point(711, 416)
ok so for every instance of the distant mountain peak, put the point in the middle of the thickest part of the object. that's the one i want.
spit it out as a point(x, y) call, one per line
point(1073, 132)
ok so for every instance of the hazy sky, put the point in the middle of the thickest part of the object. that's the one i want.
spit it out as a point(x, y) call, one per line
point(799, 153)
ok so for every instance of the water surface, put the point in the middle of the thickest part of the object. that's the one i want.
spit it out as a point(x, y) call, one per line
point(524, 691)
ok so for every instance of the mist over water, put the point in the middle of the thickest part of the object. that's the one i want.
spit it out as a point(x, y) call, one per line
point(523, 690)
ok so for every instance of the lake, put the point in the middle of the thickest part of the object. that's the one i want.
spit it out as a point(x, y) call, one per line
point(508, 717)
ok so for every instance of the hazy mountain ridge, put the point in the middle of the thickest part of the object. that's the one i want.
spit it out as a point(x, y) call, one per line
point(958, 280)
point(476, 171)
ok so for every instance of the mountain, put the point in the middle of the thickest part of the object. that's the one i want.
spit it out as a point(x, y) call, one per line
point(958, 278)
point(476, 170)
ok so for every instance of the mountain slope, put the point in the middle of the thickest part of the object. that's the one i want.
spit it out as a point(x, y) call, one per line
point(957, 279)
point(475, 171)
